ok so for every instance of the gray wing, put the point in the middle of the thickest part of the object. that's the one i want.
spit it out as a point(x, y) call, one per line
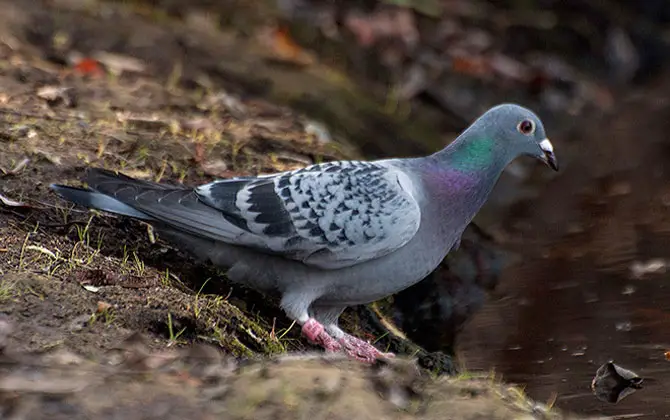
point(330, 215)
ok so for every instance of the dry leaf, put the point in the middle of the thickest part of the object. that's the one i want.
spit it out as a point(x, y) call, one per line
point(11, 203)
point(612, 383)
point(17, 168)
point(118, 63)
point(56, 94)
point(286, 49)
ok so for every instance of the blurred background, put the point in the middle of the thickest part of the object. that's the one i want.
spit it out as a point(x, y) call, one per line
point(561, 273)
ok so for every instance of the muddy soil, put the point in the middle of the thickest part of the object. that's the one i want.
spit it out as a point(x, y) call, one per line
point(198, 382)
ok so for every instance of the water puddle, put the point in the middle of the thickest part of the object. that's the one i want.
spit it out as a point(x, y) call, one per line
point(552, 323)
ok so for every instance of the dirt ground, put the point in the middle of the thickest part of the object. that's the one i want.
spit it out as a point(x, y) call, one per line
point(74, 285)
point(132, 382)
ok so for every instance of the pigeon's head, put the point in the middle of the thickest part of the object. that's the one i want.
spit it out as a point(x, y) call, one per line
point(517, 131)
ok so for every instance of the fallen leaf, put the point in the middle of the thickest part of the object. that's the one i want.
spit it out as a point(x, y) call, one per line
point(199, 155)
point(509, 68)
point(88, 67)
point(639, 269)
point(197, 124)
point(56, 94)
point(51, 157)
point(471, 66)
point(285, 48)
point(42, 250)
point(319, 131)
point(621, 54)
point(118, 63)
point(11, 203)
point(102, 307)
point(612, 383)
point(17, 168)
point(415, 81)
point(386, 23)
point(229, 102)
point(5, 331)
point(667, 355)
point(215, 168)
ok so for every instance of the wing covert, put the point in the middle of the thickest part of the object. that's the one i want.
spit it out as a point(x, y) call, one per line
point(329, 215)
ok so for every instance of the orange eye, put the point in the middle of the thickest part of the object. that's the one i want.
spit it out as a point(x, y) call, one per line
point(526, 127)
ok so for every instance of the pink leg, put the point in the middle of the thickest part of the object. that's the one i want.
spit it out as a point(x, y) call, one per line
point(315, 332)
point(361, 350)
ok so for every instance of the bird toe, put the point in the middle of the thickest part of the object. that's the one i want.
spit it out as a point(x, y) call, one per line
point(361, 350)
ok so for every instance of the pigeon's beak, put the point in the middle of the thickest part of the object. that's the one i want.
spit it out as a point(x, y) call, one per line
point(549, 157)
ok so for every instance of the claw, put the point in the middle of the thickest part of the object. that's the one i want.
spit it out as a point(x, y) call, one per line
point(352, 346)
point(361, 350)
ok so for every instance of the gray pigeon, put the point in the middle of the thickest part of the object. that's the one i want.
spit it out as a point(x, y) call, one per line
point(335, 234)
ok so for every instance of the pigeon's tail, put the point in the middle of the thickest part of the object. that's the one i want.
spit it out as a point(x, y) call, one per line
point(109, 191)
point(171, 206)
point(91, 199)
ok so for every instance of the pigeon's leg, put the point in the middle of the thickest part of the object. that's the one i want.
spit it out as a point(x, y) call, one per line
point(352, 346)
point(296, 307)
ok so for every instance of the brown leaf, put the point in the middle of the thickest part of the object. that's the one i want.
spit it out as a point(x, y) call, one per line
point(103, 307)
point(472, 66)
point(284, 48)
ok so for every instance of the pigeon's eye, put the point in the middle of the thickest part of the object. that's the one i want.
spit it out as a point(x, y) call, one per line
point(526, 127)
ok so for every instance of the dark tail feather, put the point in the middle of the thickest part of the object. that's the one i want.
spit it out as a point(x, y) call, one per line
point(177, 207)
point(92, 199)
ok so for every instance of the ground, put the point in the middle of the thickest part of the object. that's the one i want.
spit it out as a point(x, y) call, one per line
point(198, 382)
point(75, 285)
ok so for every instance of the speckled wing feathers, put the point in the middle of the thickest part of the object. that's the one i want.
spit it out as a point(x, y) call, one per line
point(330, 215)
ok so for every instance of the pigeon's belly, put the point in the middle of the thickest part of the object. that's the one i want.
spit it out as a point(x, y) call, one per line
point(384, 276)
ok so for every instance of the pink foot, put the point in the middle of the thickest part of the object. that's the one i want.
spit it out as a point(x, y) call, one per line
point(312, 329)
point(361, 350)
point(315, 332)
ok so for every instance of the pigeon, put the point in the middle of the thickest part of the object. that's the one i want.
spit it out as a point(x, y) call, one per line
point(334, 234)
